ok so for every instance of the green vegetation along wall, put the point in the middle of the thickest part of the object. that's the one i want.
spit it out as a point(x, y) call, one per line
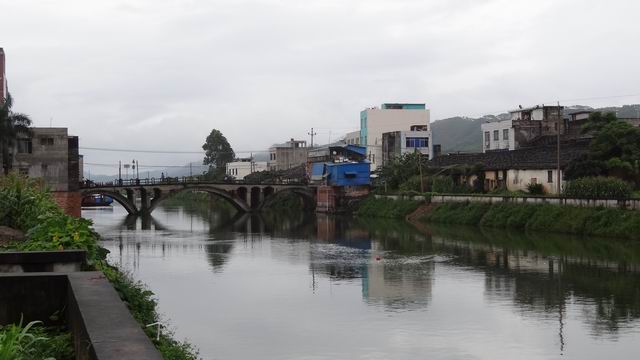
point(550, 218)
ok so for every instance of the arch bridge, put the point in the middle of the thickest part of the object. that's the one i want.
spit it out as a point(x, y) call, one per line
point(144, 197)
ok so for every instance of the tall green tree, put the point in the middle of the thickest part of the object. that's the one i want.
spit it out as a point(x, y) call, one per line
point(614, 150)
point(218, 153)
point(12, 126)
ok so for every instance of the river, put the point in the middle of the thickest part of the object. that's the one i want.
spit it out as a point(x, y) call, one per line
point(302, 286)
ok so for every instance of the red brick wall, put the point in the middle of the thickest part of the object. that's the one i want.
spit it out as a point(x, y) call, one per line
point(69, 201)
point(326, 199)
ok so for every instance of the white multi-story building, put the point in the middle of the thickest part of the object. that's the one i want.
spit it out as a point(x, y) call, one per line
point(389, 117)
point(398, 143)
point(243, 167)
point(352, 138)
point(498, 135)
point(524, 126)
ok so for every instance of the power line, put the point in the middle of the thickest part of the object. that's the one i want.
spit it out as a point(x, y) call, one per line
point(167, 151)
point(145, 166)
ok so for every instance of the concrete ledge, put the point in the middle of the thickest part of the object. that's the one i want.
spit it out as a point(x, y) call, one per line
point(101, 324)
point(42, 261)
point(102, 320)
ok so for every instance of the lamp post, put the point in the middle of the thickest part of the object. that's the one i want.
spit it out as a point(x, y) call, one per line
point(136, 167)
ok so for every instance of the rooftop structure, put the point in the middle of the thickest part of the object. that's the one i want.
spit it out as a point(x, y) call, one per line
point(340, 165)
point(288, 155)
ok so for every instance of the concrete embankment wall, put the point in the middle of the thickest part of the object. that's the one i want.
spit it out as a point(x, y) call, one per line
point(631, 204)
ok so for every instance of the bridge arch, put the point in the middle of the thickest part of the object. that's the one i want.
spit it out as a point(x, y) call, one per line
point(115, 195)
point(239, 204)
point(271, 194)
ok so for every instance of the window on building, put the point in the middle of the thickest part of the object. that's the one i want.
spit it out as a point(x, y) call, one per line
point(505, 134)
point(25, 146)
point(44, 169)
point(23, 171)
point(550, 176)
point(421, 142)
point(487, 139)
point(534, 180)
point(47, 141)
point(496, 135)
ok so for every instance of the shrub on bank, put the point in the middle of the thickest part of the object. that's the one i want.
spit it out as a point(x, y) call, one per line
point(535, 189)
point(23, 201)
point(597, 188)
point(442, 184)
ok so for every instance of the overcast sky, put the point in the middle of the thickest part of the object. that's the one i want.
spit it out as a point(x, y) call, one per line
point(160, 74)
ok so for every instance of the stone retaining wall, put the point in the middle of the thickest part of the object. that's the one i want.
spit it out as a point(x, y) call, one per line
point(631, 204)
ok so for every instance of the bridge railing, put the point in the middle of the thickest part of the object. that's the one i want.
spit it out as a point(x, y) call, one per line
point(178, 181)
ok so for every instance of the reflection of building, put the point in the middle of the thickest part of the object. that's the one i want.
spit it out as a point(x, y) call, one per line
point(548, 284)
point(290, 154)
point(52, 155)
point(397, 284)
point(243, 167)
point(388, 118)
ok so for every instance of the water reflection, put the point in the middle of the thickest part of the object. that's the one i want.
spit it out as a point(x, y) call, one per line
point(554, 281)
point(541, 274)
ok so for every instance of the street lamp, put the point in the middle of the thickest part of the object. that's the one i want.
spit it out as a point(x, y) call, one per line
point(136, 167)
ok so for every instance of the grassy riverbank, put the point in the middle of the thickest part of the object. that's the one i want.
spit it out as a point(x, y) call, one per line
point(386, 208)
point(27, 207)
point(550, 218)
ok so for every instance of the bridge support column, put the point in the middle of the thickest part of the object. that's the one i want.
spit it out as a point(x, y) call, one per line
point(144, 200)
point(131, 196)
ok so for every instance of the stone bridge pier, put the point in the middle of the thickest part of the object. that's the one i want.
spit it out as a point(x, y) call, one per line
point(244, 197)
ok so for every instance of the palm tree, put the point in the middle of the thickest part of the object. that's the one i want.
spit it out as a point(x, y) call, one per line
point(12, 126)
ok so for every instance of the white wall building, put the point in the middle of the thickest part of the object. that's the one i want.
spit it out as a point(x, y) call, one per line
point(389, 117)
point(498, 135)
point(243, 167)
point(352, 138)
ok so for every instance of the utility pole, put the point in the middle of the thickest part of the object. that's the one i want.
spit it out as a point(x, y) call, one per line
point(312, 135)
point(419, 155)
point(190, 170)
point(560, 116)
point(120, 171)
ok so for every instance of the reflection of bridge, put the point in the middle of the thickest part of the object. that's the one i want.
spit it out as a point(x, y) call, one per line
point(243, 196)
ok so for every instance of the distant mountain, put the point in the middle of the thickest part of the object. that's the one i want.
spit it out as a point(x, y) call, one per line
point(464, 134)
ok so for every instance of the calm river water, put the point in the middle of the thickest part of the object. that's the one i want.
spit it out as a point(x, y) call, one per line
point(315, 287)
